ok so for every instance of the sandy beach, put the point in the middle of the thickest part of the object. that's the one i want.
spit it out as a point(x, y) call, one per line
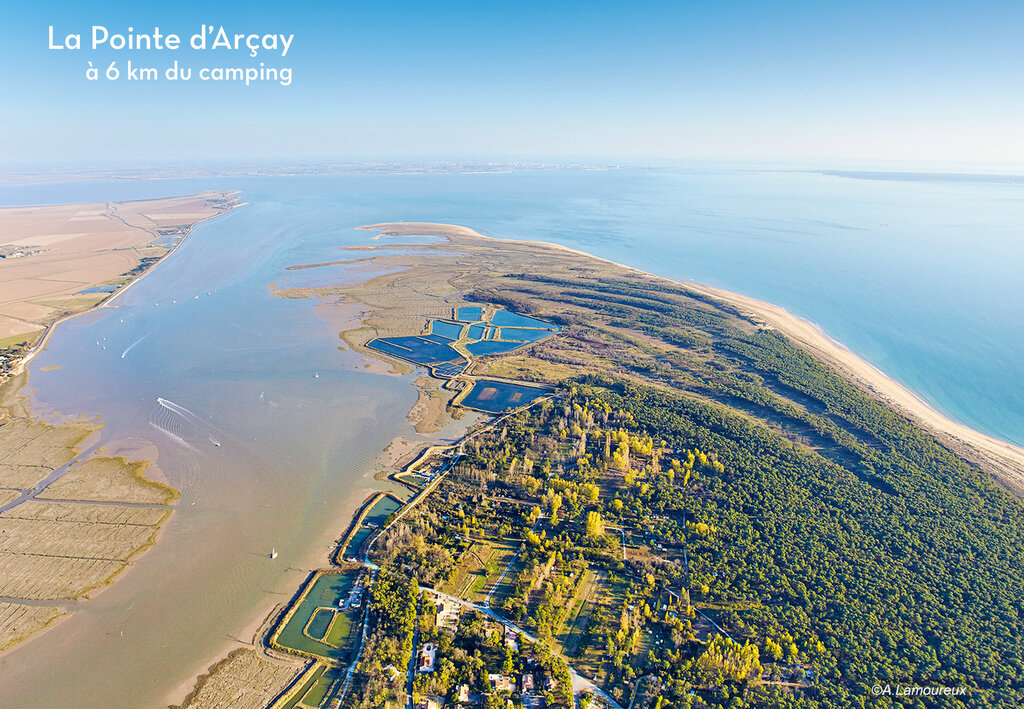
point(1003, 460)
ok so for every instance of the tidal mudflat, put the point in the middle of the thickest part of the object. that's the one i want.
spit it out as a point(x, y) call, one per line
point(244, 403)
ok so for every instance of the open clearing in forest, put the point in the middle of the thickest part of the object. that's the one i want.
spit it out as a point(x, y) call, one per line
point(479, 568)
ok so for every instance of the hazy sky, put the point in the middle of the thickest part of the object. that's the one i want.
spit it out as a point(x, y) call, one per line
point(381, 80)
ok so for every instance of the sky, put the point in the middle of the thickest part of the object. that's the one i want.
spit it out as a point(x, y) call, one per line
point(574, 81)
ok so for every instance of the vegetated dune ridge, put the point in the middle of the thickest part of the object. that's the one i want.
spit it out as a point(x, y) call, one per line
point(1003, 460)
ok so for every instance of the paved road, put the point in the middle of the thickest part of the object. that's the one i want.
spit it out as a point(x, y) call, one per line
point(579, 682)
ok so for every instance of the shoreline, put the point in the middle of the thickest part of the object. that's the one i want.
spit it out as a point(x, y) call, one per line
point(805, 334)
point(19, 368)
point(40, 345)
point(1002, 459)
point(1005, 458)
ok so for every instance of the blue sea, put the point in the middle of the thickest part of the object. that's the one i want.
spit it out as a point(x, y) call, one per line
point(919, 274)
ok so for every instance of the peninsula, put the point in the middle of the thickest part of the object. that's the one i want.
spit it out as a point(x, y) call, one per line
point(705, 503)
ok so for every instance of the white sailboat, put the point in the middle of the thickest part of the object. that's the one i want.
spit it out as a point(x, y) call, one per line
point(273, 553)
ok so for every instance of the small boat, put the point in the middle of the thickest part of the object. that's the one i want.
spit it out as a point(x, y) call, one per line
point(316, 375)
point(273, 553)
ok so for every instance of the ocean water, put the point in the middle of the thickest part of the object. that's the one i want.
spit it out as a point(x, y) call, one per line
point(921, 277)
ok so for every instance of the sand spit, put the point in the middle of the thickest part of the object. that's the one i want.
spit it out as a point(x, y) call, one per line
point(1003, 460)
point(429, 283)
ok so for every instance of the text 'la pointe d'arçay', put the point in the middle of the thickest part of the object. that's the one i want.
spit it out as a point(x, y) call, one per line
point(208, 37)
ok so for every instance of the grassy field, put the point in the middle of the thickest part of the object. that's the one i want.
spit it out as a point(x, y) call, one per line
point(588, 651)
point(571, 634)
point(479, 568)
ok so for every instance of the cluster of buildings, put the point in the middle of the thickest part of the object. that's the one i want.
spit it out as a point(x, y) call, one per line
point(530, 686)
point(528, 690)
point(355, 597)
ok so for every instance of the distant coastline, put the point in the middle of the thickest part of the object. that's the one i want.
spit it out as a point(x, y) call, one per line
point(19, 365)
point(111, 480)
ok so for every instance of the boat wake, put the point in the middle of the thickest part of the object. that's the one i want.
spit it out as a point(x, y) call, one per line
point(189, 417)
point(173, 436)
point(132, 345)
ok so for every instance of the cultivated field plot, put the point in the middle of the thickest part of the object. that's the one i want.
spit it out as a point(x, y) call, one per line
point(587, 650)
point(244, 680)
point(479, 569)
point(18, 621)
point(109, 480)
point(571, 635)
point(29, 451)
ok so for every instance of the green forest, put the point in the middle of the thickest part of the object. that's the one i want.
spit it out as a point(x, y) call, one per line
point(707, 516)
